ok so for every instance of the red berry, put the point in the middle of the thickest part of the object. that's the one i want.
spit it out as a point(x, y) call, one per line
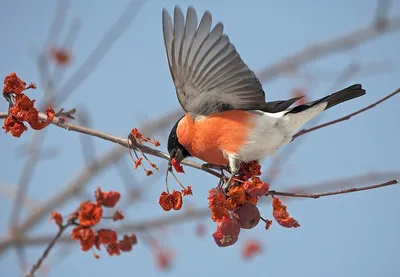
point(259, 189)
point(216, 194)
point(248, 215)
point(224, 240)
point(229, 227)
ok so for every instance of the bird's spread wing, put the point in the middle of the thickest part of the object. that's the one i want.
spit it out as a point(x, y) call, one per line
point(208, 73)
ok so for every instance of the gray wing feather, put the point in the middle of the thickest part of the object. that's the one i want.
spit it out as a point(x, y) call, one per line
point(208, 73)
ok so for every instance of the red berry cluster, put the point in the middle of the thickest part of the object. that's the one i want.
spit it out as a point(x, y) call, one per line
point(236, 209)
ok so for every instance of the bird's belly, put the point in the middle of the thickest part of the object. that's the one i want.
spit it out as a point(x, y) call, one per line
point(213, 155)
point(213, 138)
point(265, 139)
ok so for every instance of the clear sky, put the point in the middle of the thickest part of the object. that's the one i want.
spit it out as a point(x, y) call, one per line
point(348, 235)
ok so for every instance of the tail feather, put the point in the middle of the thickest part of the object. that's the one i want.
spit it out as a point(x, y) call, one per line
point(334, 99)
point(300, 115)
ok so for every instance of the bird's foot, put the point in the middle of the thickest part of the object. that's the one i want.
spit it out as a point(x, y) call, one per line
point(227, 183)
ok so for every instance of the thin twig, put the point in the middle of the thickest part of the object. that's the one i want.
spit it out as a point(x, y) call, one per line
point(318, 195)
point(46, 252)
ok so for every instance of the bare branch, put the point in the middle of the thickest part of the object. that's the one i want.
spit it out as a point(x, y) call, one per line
point(318, 50)
point(178, 217)
point(85, 175)
point(381, 13)
point(318, 195)
point(148, 150)
point(87, 145)
point(46, 252)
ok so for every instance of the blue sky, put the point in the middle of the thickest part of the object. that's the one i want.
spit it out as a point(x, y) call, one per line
point(347, 235)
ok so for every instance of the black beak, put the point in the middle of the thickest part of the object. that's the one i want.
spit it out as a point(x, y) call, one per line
point(179, 155)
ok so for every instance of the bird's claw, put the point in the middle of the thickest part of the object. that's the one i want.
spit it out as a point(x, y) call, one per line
point(227, 183)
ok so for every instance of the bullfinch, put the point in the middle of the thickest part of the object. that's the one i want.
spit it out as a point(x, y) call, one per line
point(227, 120)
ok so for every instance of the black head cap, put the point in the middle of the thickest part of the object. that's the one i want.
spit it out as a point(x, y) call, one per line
point(175, 149)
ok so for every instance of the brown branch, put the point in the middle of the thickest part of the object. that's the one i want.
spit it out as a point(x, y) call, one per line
point(86, 142)
point(121, 141)
point(347, 117)
point(318, 195)
point(46, 252)
point(318, 50)
point(341, 183)
point(76, 185)
point(154, 152)
point(148, 150)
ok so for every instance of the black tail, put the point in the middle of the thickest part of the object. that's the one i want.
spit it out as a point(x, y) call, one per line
point(341, 96)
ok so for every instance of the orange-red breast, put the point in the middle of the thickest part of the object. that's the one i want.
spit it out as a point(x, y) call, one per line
point(227, 120)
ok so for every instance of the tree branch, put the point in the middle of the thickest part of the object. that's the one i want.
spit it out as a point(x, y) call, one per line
point(77, 184)
point(318, 50)
point(318, 195)
point(46, 252)
point(154, 152)
point(178, 217)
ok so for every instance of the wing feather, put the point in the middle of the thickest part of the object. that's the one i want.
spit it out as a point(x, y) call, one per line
point(208, 72)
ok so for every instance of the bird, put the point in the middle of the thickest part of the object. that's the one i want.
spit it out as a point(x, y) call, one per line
point(227, 119)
